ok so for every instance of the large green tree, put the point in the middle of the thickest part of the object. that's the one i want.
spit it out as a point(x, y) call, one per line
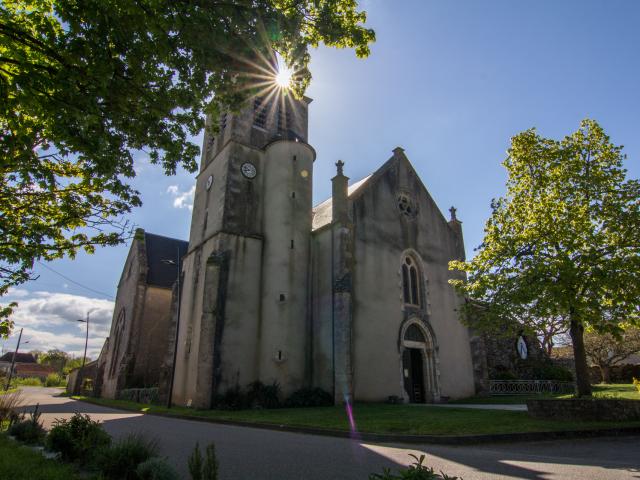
point(86, 84)
point(564, 242)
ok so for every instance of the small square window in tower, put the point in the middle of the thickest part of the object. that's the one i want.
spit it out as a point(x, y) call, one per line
point(260, 110)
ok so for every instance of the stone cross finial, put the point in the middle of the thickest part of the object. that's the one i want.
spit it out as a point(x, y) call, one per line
point(453, 213)
point(340, 164)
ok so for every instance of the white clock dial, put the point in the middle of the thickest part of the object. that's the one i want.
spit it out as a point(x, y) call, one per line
point(248, 170)
point(209, 182)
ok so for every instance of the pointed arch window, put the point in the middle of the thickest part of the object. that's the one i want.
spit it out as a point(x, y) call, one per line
point(410, 281)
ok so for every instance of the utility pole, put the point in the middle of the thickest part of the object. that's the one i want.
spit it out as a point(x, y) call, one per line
point(86, 343)
point(13, 362)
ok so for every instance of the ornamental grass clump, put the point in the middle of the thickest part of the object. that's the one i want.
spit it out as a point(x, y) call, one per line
point(121, 460)
point(9, 404)
point(28, 430)
point(203, 469)
point(156, 469)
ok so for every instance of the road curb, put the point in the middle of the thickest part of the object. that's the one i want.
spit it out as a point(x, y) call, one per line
point(395, 438)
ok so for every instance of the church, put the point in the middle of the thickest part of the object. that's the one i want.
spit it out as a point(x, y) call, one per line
point(351, 296)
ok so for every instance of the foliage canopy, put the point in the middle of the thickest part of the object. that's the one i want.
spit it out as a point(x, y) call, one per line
point(84, 85)
point(564, 242)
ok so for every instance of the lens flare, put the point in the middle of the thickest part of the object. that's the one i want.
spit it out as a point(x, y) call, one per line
point(283, 77)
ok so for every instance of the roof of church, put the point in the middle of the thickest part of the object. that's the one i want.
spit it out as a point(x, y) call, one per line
point(160, 252)
point(322, 213)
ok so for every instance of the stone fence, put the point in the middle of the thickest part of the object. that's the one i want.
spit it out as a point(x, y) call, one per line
point(529, 387)
point(140, 395)
point(585, 409)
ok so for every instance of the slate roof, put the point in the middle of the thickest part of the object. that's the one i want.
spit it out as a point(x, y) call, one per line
point(161, 248)
point(322, 212)
point(20, 358)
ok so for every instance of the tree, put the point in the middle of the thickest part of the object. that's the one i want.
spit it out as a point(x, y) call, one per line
point(606, 350)
point(55, 358)
point(84, 85)
point(564, 242)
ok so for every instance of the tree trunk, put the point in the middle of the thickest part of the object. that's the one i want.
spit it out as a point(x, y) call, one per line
point(605, 373)
point(583, 382)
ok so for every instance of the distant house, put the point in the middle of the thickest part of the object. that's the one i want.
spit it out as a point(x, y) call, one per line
point(25, 366)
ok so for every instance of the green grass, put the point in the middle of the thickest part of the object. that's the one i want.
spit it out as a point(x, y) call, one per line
point(382, 418)
point(22, 463)
point(620, 390)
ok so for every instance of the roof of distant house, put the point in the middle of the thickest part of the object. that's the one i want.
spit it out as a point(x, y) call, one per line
point(161, 251)
point(20, 357)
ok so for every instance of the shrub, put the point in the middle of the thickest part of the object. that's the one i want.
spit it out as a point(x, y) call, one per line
point(54, 380)
point(260, 395)
point(309, 397)
point(156, 469)
point(505, 375)
point(417, 471)
point(28, 430)
point(547, 371)
point(203, 470)
point(77, 439)
point(121, 460)
point(29, 382)
point(636, 382)
point(9, 404)
point(233, 399)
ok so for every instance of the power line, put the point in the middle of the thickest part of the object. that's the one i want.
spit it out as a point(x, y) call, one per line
point(76, 283)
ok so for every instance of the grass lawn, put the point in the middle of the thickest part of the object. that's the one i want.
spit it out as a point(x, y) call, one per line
point(22, 463)
point(382, 418)
point(613, 390)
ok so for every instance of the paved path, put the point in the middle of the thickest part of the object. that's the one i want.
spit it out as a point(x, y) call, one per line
point(248, 453)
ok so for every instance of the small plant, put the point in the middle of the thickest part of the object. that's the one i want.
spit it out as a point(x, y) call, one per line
point(28, 430)
point(77, 439)
point(203, 470)
point(156, 469)
point(233, 399)
point(54, 380)
point(636, 383)
point(121, 460)
point(260, 395)
point(309, 397)
point(417, 471)
point(9, 404)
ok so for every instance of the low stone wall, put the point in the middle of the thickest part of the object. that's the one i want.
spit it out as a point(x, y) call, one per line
point(140, 395)
point(585, 409)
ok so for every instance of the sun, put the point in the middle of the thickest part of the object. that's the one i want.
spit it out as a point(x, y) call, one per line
point(283, 77)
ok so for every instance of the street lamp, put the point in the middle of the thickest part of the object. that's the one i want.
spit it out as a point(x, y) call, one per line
point(13, 361)
point(178, 265)
point(86, 343)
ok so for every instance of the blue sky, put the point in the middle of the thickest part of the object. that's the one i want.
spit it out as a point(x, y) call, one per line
point(449, 81)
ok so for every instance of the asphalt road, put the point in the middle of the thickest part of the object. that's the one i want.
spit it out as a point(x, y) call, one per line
point(247, 453)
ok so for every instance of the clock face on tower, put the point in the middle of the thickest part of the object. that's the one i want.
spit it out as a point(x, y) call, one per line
point(248, 170)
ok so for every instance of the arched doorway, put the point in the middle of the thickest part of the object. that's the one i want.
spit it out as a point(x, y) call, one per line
point(419, 371)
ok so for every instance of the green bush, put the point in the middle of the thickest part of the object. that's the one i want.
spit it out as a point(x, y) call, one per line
point(417, 471)
point(206, 469)
point(232, 399)
point(54, 380)
point(28, 430)
point(77, 439)
point(260, 395)
point(548, 371)
point(505, 375)
point(29, 382)
point(156, 469)
point(309, 397)
point(121, 460)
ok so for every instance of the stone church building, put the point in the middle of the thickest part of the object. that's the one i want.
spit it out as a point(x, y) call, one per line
point(351, 296)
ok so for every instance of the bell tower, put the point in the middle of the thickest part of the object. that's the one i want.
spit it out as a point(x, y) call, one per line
point(244, 300)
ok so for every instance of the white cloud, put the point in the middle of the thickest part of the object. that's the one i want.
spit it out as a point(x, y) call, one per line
point(50, 321)
point(182, 199)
